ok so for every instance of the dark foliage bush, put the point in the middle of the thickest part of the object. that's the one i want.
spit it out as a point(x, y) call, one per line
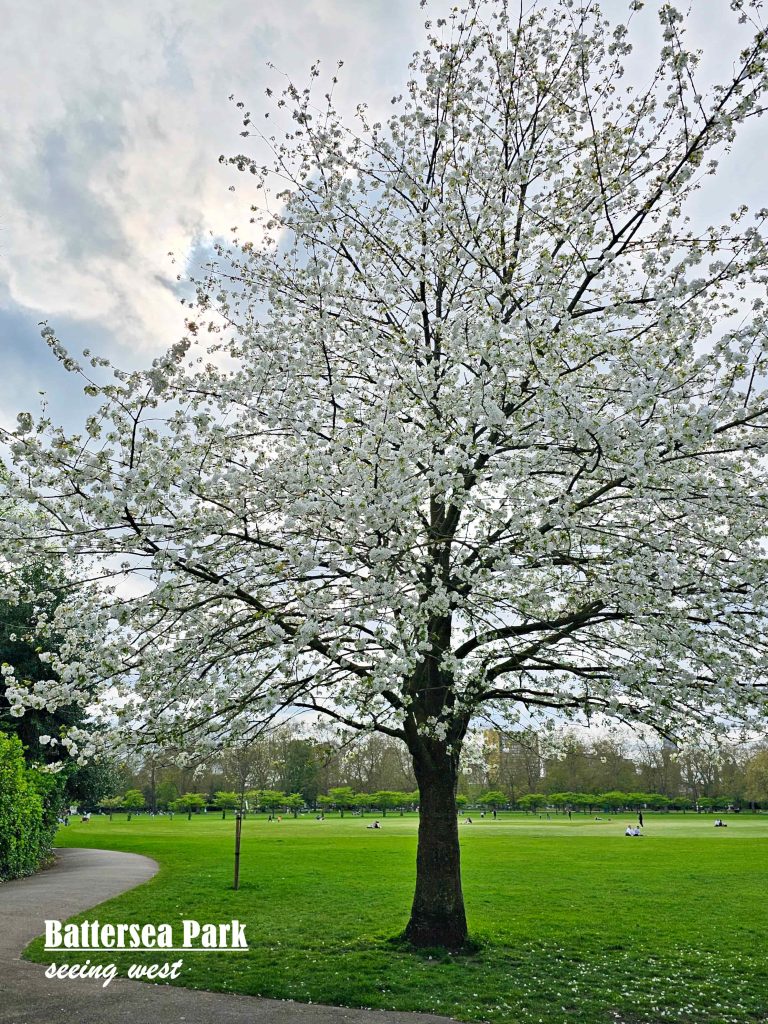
point(30, 801)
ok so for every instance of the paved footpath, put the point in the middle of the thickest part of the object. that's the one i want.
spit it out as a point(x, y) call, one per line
point(79, 880)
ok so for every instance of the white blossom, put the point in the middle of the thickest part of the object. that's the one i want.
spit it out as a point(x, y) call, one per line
point(471, 420)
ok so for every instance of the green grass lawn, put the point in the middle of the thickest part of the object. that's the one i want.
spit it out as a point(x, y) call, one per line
point(576, 922)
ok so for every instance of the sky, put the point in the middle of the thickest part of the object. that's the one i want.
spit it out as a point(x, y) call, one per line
point(109, 152)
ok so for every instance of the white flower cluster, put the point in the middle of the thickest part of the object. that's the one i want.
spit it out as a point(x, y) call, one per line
point(469, 429)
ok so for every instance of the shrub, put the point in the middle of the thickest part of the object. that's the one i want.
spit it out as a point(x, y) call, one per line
point(29, 806)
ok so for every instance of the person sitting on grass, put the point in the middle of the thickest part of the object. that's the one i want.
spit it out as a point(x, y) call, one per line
point(374, 825)
point(628, 831)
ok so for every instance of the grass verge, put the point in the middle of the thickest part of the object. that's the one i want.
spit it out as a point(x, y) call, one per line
point(572, 921)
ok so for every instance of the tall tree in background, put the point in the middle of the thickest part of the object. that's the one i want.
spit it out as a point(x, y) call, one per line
point(482, 430)
point(756, 789)
point(301, 769)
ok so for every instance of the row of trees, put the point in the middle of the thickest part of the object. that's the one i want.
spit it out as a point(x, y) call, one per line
point(616, 800)
point(628, 761)
point(314, 763)
point(343, 799)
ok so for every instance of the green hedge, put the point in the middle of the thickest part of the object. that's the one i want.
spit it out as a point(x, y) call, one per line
point(29, 806)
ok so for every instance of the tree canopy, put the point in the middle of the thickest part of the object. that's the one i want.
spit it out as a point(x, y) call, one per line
point(471, 421)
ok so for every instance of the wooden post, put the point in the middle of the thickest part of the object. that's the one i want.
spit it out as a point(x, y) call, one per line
point(238, 830)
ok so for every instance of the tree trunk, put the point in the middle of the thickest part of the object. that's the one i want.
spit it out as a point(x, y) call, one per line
point(437, 915)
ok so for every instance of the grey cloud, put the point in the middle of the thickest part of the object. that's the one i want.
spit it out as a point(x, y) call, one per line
point(27, 369)
point(108, 154)
point(60, 191)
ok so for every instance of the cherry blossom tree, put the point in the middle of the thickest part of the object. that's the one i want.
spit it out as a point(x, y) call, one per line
point(472, 422)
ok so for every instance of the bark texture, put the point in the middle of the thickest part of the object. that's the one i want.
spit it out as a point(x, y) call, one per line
point(437, 915)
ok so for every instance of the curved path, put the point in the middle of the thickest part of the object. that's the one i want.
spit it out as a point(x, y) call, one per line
point(79, 880)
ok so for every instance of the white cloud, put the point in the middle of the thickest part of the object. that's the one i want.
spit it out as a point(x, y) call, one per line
point(110, 148)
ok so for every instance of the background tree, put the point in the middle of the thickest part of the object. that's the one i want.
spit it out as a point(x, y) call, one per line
point(646, 760)
point(189, 802)
point(110, 804)
point(167, 792)
point(658, 767)
point(248, 764)
point(683, 803)
point(293, 802)
point(300, 771)
point(583, 801)
point(756, 788)
point(614, 800)
point(656, 801)
point(225, 800)
point(531, 801)
point(132, 801)
point(515, 760)
point(363, 802)
point(558, 800)
point(483, 433)
point(374, 763)
point(324, 802)
point(386, 799)
point(342, 798)
point(404, 801)
point(267, 799)
point(492, 798)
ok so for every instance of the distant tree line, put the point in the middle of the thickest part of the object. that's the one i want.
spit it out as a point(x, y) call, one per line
point(566, 766)
point(293, 768)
